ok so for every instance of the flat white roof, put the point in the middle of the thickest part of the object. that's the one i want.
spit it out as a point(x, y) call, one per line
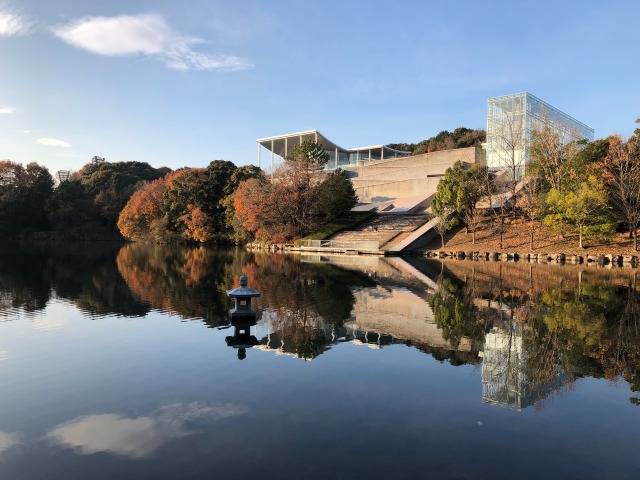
point(281, 144)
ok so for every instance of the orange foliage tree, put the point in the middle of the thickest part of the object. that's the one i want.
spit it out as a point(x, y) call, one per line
point(139, 216)
point(197, 224)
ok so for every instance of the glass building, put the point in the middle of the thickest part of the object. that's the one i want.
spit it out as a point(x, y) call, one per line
point(512, 118)
point(280, 146)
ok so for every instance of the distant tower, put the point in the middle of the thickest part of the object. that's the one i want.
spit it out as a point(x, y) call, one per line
point(63, 175)
point(98, 159)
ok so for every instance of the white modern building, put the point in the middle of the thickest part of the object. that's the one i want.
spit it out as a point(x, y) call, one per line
point(512, 118)
point(278, 148)
point(380, 173)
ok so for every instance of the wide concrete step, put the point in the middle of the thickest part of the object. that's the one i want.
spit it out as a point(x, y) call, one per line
point(383, 228)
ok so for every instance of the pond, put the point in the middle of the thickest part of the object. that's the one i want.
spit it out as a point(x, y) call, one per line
point(121, 362)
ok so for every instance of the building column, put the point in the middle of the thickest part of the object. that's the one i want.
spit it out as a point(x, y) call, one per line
point(271, 158)
point(336, 158)
point(259, 152)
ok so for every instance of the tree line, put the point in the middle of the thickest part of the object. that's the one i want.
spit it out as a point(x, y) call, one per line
point(461, 137)
point(587, 190)
point(221, 203)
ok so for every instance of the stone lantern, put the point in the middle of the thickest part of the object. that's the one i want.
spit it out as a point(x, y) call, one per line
point(242, 296)
point(243, 317)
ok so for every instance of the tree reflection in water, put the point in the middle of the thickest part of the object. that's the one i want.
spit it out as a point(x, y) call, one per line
point(32, 274)
point(537, 328)
point(550, 327)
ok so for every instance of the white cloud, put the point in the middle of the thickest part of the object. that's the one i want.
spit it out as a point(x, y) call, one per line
point(53, 142)
point(13, 24)
point(140, 436)
point(9, 440)
point(147, 34)
point(7, 110)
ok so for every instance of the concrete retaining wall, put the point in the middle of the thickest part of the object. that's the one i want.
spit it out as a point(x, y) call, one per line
point(408, 176)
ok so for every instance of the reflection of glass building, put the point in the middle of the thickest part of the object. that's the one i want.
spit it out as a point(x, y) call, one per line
point(280, 147)
point(512, 118)
point(506, 376)
point(503, 375)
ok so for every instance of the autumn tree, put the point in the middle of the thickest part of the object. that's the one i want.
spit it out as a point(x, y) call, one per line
point(253, 209)
point(185, 195)
point(296, 200)
point(233, 226)
point(293, 194)
point(509, 146)
point(530, 202)
point(142, 217)
point(621, 168)
point(551, 152)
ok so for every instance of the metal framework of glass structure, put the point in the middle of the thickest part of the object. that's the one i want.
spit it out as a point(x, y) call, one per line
point(510, 121)
point(281, 145)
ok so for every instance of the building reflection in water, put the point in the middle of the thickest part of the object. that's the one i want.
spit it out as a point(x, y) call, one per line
point(381, 316)
point(508, 373)
point(477, 319)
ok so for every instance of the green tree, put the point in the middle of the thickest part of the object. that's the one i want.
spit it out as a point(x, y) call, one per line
point(443, 207)
point(110, 185)
point(24, 197)
point(72, 210)
point(461, 137)
point(335, 196)
point(217, 187)
point(585, 211)
point(311, 154)
point(460, 190)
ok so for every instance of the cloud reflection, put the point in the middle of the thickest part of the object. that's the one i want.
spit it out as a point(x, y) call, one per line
point(44, 324)
point(140, 436)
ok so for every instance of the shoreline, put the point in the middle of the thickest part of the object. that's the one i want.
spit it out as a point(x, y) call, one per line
point(600, 260)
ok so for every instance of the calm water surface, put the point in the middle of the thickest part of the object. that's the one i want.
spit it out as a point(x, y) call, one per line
point(121, 362)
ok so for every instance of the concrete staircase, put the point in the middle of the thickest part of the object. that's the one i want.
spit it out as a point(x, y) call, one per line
point(384, 228)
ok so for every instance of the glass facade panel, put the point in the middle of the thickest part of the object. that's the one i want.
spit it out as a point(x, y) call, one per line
point(510, 121)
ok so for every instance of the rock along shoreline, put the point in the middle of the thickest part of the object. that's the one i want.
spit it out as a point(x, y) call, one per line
point(608, 260)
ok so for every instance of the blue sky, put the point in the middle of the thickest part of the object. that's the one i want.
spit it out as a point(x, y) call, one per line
point(183, 83)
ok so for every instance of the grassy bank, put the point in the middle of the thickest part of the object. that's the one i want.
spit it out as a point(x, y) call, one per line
point(516, 238)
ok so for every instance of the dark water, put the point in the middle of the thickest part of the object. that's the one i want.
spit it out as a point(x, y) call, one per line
point(122, 363)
